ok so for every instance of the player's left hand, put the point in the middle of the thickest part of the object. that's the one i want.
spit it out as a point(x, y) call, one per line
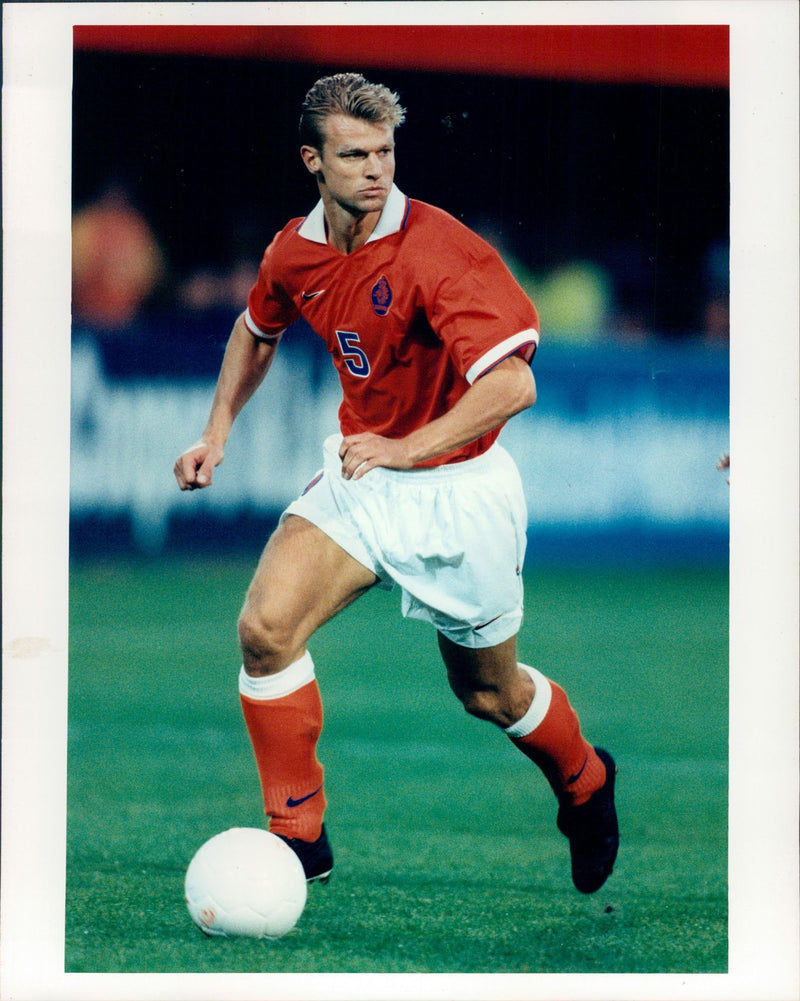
point(361, 452)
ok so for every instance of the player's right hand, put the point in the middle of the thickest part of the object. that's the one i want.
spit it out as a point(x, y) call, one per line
point(194, 468)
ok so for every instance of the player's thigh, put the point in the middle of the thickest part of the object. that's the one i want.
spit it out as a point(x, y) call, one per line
point(303, 579)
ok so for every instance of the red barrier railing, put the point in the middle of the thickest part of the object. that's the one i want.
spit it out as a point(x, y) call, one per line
point(679, 54)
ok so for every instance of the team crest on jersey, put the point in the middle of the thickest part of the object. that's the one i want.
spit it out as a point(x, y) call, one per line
point(381, 296)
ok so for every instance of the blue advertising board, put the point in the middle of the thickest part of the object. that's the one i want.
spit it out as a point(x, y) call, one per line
point(618, 456)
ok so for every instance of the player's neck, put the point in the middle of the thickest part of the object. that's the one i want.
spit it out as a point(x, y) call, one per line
point(346, 231)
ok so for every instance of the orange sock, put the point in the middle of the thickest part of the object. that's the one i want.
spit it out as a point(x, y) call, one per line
point(550, 735)
point(283, 713)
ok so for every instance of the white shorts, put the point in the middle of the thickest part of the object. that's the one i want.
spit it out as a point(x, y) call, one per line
point(451, 537)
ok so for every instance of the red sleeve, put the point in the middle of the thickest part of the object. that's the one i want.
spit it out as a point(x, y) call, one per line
point(482, 315)
point(269, 309)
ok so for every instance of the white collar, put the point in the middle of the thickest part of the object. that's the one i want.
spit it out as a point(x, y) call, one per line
point(391, 219)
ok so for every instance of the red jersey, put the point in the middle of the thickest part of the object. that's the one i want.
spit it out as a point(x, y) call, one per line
point(411, 318)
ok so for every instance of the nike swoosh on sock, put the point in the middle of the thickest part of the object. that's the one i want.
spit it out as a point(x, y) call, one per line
point(574, 778)
point(296, 802)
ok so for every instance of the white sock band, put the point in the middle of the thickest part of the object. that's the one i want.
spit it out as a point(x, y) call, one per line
point(275, 686)
point(537, 710)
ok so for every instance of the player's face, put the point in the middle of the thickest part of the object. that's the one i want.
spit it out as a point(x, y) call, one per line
point(355, 165)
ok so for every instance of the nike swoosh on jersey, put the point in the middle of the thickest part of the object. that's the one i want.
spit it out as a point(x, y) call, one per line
point(296, 802)
point(311, 295)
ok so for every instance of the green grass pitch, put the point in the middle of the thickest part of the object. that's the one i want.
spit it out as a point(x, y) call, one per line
point(447, 855)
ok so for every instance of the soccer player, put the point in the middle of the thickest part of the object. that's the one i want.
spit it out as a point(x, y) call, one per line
point(432, 340)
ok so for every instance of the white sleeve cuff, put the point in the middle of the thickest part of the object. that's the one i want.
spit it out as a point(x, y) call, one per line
point(511, 345)
point(250, 323)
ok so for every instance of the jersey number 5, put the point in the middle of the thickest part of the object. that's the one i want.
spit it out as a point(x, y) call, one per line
point(354, 358)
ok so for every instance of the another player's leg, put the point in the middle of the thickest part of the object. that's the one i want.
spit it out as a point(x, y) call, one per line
point(302, 580)
point(536, 715)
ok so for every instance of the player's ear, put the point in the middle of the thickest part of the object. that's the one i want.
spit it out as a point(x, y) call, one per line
point(311, 158)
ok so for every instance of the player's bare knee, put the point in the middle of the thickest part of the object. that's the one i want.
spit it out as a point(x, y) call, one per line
point(491, 705)
point(267, 646)
point(480, 703)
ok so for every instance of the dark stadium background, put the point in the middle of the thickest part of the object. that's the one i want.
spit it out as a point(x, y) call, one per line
point(604, 149)
point(634, 175)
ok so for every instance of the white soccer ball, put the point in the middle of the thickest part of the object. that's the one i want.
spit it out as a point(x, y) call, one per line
point(245, 882)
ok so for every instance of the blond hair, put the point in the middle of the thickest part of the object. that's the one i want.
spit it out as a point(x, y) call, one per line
point(347, 94)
